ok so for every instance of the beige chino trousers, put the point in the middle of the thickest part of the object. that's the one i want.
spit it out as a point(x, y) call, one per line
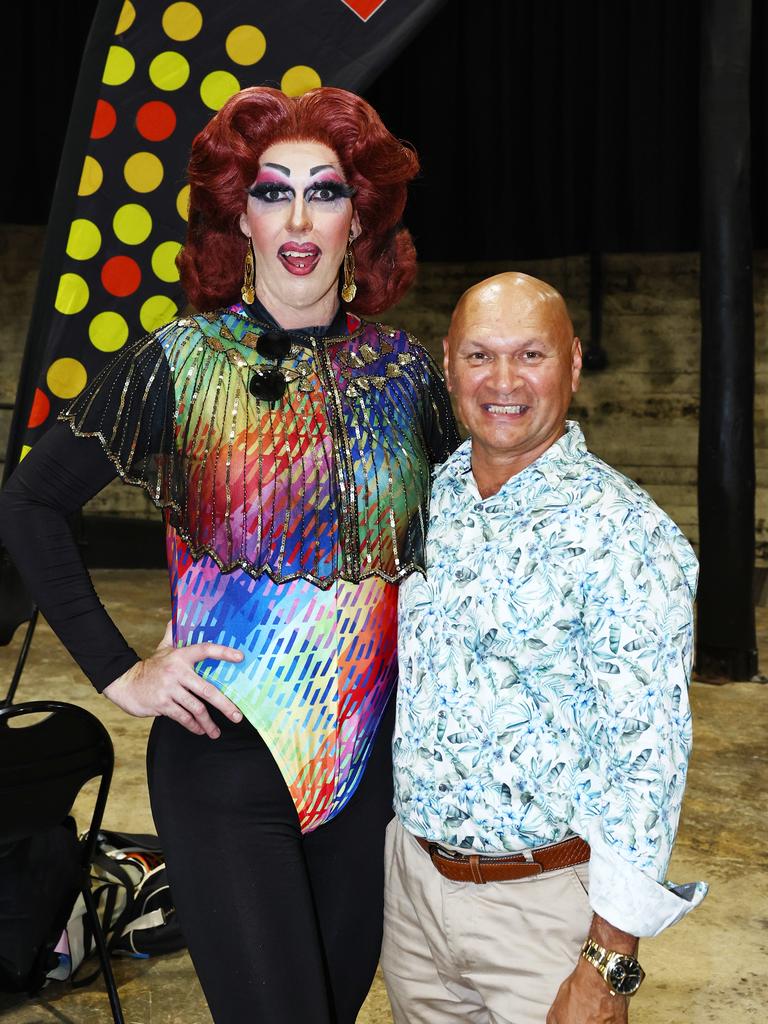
point(476, 954)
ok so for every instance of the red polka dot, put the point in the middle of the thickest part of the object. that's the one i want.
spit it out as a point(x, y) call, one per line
point(156, 121)
point(104, 120)
point(121, 275)
point(41, 407)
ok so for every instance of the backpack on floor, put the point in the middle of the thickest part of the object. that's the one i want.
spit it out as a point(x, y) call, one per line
point(133, 901)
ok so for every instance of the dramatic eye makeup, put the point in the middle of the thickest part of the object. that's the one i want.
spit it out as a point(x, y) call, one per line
point(271, 191)
point(328, 189)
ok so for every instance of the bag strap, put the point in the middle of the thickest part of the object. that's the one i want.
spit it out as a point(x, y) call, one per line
point(130, 840)
point(114, 931)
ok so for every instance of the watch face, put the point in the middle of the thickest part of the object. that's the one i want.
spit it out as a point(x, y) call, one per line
point(624, 975)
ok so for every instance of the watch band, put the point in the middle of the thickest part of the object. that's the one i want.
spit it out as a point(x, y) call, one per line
point(621, 972)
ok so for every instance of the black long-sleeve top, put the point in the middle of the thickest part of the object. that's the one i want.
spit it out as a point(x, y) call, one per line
point(60, 475)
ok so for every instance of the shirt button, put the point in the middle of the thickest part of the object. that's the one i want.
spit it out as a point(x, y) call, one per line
point(478, 508)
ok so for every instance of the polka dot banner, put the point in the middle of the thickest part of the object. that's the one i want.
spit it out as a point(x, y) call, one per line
point(299, 79)
point(182, 202)
point(91, 178)
point(156, 121)
point(108, 331)
point(41, 407)
point(119, 67)
point(246, 44)
point(182, 21)
point(84, 240)
point(159, 70)
point(169, 71)
point(104, 120)
point(126, 19)
point(66, 377)
point(121, 276)
point(132, 224)
point(156, 311)
point(216, 89)
point(143, 172)
point(164, 261)
point(72, 294)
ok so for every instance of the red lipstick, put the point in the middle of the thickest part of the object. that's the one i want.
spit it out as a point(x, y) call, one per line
point(299, 258)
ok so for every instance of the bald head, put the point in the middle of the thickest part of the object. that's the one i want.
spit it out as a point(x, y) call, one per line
point(509, 299)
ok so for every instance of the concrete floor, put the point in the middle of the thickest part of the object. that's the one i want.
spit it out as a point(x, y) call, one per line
point(711, 969)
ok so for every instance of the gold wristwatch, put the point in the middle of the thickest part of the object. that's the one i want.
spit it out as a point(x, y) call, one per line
point(621, 972)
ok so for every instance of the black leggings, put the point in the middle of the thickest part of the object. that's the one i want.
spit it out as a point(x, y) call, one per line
point(282, 928)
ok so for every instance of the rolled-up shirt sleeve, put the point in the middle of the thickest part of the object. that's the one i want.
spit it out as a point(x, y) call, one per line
point(636, 654)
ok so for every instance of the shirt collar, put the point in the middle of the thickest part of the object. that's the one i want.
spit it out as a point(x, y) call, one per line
point(302, 335)
point(552, 464)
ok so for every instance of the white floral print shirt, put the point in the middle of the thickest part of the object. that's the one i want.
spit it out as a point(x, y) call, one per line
point(544, 670)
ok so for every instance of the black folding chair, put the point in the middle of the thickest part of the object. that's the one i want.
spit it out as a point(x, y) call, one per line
point(16, 608)
point(44, 763)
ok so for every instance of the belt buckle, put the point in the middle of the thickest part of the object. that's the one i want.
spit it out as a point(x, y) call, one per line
point(435, 850)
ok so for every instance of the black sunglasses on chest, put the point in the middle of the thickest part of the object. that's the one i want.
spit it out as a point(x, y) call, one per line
point(268, 383)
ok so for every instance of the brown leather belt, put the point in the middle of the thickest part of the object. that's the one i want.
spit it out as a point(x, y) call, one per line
point(475, 868)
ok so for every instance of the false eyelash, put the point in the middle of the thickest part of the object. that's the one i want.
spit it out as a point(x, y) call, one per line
point(259, 191)
point(339, 189)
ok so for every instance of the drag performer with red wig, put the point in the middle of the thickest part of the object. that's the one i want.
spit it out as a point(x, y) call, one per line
point(289, 443)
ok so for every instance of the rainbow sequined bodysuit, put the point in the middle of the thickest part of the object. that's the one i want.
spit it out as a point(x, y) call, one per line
point(288, 524)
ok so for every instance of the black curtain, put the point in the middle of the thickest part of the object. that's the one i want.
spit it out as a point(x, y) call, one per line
point(43, 46)
point(550, 127)
point(545, 127)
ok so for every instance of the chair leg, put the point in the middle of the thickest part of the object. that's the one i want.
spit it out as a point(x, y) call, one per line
point(101, 946)
point(21, 660)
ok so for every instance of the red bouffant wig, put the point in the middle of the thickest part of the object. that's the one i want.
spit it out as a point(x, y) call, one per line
point(224, 163)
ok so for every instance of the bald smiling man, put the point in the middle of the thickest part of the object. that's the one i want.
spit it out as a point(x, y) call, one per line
point(543, 725)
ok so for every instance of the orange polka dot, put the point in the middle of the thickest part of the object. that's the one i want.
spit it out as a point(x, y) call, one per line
point(104, 120)
point(156, 121)
point(41, 407)
point(121, 276)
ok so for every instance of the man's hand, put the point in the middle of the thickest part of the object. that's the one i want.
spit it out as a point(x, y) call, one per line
point(584, 997)
point(166, 684)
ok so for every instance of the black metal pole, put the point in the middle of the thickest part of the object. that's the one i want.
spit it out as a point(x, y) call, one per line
point(726, 643)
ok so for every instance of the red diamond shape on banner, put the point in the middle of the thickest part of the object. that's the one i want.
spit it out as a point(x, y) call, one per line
point(364, 8)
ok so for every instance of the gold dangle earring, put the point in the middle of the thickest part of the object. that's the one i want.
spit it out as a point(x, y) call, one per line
point(349, 291)
point(248, 291)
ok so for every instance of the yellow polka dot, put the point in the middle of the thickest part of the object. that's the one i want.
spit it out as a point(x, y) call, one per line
point(84, 240)
point(72, 294)
point(108, 331)
point(91, 178)
point(156, 311)
point(182, 202)
point(119, 67)
point(143, 172)
point(127, 17)
point(299, 79)
point(25, 450)
point(246, 44)
point(132, 224)
point(66, 377)
point(216, 88)
point(169, 70)
point(164, 261)
point(182, 21)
